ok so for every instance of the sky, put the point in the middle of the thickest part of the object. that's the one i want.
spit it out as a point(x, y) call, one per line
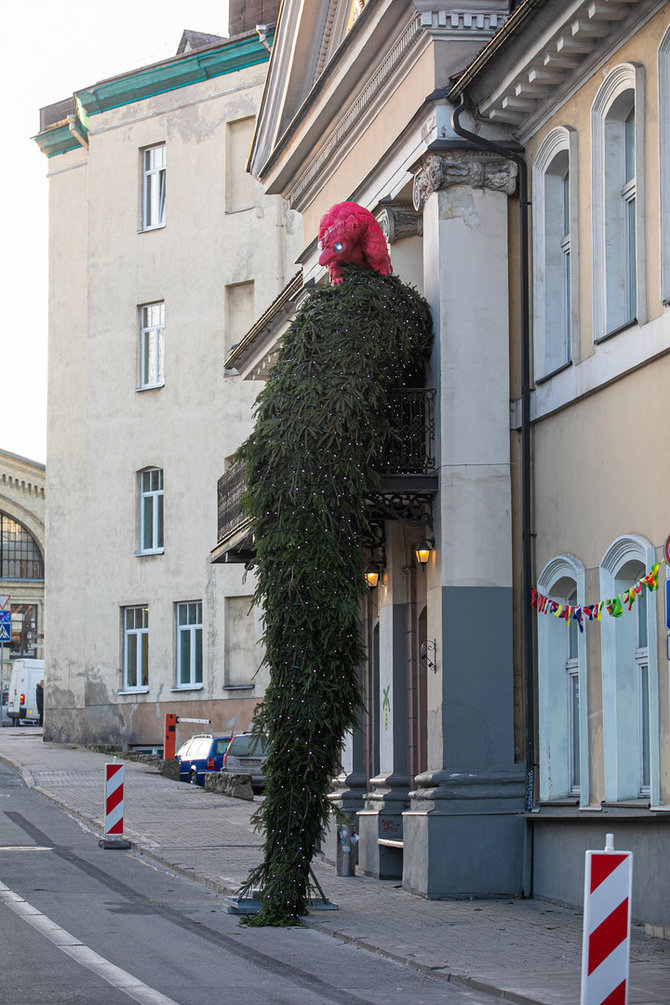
point(50, 51)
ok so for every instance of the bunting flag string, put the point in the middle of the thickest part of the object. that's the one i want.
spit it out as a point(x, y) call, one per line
point(594, 612)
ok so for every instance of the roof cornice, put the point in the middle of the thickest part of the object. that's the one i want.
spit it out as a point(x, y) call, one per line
point(147, 82)
point(543, 52)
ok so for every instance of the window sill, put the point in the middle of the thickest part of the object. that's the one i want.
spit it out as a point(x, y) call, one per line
point(187, 687)
point(616, 331)
point(238, 687)
point(148, 230)
point(547, 376)
point(135, 690)
point(153, 551)
point(150, 387)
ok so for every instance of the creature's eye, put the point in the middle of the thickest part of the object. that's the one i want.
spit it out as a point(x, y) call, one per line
point(339, 247)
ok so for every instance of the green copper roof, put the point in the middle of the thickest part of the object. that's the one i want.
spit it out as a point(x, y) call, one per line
point(149, 81)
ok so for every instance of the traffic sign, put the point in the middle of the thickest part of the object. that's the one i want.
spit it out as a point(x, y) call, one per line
point(666, 550)
point(4, 599)
point(5, 626)
point(667, 604)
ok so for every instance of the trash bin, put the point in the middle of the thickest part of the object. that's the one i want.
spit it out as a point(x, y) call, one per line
point(346, 841)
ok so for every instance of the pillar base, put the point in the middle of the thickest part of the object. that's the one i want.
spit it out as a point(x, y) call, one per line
point(464, 837)
point(380, 828)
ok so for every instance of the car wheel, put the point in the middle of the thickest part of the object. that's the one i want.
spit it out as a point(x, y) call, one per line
point(193, 778)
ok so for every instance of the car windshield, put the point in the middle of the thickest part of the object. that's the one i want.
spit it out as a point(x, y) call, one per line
point(246, 744)
point(221, 745)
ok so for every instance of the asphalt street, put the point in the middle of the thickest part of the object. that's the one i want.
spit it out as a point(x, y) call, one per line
point(92, 926)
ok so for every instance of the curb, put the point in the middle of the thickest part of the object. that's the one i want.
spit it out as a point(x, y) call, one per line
point(146, 851)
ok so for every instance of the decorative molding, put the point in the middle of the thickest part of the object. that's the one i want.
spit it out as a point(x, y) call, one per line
point(400, 220)
point(463, 167)
point(355, 112)
point(460, 24)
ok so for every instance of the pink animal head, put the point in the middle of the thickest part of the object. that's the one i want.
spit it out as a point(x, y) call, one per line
point(350, 235)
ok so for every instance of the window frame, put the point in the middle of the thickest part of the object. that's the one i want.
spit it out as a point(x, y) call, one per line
point(608, 212)
point(561, 140)
point(154, 188)
point(24, 555)
point(194, 631)
point(620, 655)
point(157, 495)
point(154, 335)
point(139, 634)
point(557, 664)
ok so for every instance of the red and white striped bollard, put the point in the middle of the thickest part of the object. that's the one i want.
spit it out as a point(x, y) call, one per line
point(114, 778)
point(608, 884)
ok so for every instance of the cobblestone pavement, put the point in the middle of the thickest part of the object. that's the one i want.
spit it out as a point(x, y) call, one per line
point(524, 950)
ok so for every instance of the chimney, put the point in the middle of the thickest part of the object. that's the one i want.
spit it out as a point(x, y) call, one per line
point(244, 15)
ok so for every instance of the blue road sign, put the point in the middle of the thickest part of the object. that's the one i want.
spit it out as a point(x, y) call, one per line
point(5, 626)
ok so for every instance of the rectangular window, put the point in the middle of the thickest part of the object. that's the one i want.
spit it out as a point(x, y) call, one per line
point(240, 645)
point(240, 185)
point(644, 722)
point(135, 648)
point(644, 728)
point(151, 510)
point(153, 187)
point(152, 339)
point(189, 644)
point(573, 720)
point(240, 314)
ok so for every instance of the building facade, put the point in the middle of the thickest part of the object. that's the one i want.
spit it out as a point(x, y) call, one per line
point(22, 501)
point(517, 157)
point(162, 251)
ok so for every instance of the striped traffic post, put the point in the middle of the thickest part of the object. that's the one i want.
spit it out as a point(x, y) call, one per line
point(114, 803)
point(608, 883)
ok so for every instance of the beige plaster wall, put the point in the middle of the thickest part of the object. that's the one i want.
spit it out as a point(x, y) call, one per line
point(105, 430)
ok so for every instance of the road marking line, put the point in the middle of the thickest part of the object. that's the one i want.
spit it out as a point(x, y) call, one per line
point(24, 847)
point(86, 957)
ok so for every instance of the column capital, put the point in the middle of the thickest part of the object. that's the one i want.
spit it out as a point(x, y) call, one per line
point(398, 220)
point(473, 168)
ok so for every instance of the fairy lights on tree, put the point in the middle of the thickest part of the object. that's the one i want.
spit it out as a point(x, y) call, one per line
point(321, 423)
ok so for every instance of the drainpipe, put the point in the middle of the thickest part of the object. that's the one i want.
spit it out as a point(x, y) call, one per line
point(527, 564)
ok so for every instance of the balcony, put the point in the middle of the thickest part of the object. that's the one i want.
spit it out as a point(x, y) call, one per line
point(408, 477)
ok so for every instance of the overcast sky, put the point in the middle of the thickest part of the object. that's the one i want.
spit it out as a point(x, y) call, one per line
point(50, 51)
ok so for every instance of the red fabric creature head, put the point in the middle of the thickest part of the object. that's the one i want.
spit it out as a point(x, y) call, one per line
point(350, 235)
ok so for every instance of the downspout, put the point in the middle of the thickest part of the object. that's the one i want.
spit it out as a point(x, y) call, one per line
point(527, 563)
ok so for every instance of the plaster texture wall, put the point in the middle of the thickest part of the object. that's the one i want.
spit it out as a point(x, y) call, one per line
point(103, 430)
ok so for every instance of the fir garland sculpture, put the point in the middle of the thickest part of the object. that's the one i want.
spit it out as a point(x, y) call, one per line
point(321, 423)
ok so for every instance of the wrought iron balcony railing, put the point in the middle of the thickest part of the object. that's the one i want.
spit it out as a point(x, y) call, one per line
point(408, 475)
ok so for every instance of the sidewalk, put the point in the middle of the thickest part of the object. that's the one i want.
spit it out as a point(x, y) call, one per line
point(523, 951)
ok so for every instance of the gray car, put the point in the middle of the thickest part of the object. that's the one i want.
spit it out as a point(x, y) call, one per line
point(246, 754)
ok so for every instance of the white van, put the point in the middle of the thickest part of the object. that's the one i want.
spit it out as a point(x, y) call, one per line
point(22, 703)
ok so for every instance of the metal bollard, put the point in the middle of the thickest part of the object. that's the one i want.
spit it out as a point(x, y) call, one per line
point(345, 864)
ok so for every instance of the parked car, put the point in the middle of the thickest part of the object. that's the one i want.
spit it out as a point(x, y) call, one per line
point(22, 704)
point(199, 755)
point(4, 719)
point(246, 754)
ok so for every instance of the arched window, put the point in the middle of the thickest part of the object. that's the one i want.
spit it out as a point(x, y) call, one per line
point(630, 677)
point(555, 272)
point(562, 722)
point(618, 217)
point(20, 555)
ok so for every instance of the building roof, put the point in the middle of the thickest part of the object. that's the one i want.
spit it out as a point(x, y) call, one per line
point(192, 40)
